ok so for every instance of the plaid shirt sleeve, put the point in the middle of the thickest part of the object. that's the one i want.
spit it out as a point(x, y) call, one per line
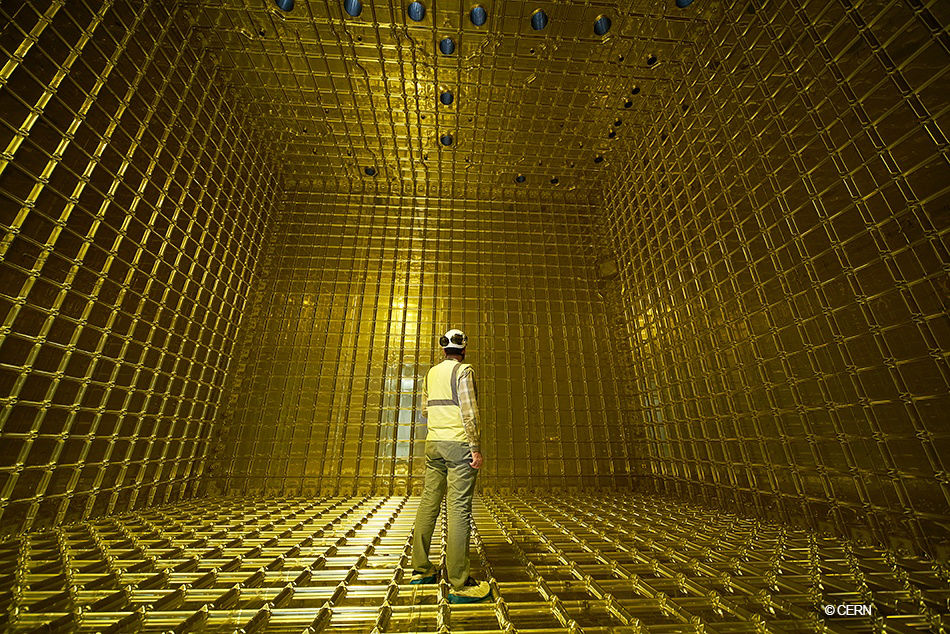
point(425, 396)
point(467, 397)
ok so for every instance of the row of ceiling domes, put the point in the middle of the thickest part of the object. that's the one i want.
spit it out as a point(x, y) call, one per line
point(416, 12)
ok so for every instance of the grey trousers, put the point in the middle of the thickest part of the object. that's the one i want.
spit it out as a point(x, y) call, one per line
point(448, 471)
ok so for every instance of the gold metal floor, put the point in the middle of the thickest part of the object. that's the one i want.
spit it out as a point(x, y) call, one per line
point(557, 562)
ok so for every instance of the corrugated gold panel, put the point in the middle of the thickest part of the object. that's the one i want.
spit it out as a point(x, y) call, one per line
point(556, 563)
point(701, 253)
point(355, 293)
point(132, 203)
point(781, 228)
point(341, 93)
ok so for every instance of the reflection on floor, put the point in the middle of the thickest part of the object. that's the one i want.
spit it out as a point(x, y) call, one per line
point(557, 562)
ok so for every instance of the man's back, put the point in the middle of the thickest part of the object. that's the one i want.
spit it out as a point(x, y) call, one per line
point(450, 406)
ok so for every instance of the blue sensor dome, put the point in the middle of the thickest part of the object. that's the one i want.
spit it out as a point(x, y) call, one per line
point(539, 20)
point(478, 15)
point(416, 11)
point(353, 7)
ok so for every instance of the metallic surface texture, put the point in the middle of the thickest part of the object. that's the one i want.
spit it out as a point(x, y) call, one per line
point(556, 563)
point(700, 249)
point(781, 222)
point(353, 296)
point(340, 93)
point(133, 202)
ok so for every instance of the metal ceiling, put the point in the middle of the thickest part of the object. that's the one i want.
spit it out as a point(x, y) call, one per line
point(361, 98)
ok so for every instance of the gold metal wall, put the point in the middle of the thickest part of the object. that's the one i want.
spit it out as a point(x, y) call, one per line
point(132, 202)
point(780, 223)
point(769, 179)
point(356, 290)
point(231, 237)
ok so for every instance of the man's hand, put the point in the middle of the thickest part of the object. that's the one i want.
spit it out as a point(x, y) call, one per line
point(476, 460)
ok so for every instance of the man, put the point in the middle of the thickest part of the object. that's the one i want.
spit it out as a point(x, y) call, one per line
point(453, 456)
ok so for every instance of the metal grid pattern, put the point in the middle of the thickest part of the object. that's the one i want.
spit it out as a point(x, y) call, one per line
point(358, 287)
point(781, 228)
point(344, 93)
point(592, 563)
point(132, 203)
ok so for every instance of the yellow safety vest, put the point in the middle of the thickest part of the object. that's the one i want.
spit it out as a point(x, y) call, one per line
point(445, 415)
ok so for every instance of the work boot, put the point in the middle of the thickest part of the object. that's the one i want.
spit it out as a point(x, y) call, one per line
point(427, 577)
point(472, 592)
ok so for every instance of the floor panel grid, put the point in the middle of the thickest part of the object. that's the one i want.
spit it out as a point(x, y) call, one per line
point(581, 562)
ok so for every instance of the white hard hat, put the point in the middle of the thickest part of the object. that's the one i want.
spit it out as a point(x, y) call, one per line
point(453, 339)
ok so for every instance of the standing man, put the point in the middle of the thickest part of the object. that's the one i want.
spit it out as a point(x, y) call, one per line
point(453, 456)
